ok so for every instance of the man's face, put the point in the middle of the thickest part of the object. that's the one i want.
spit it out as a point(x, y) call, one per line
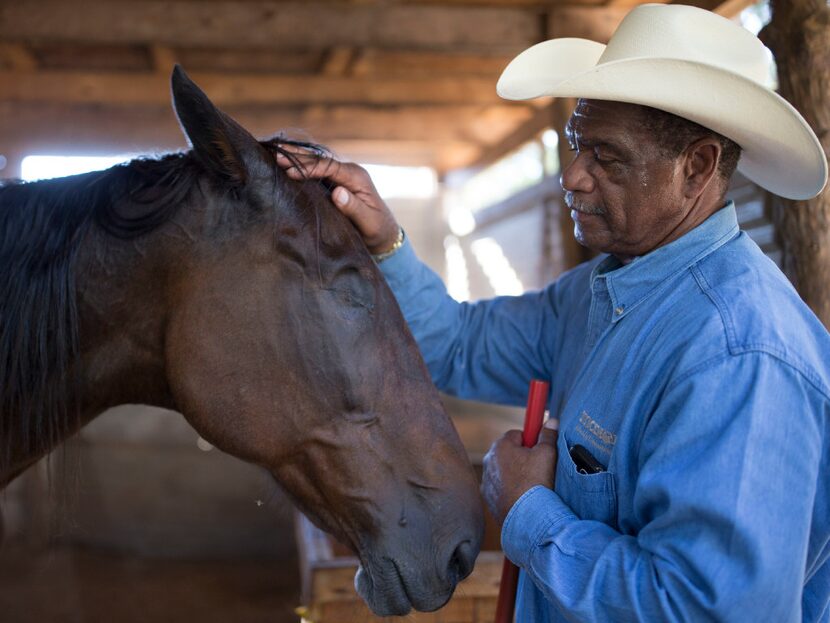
point(625, 194)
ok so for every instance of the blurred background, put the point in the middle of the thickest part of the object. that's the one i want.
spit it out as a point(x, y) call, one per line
point(158, 525)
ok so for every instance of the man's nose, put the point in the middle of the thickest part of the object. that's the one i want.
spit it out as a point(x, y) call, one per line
point(575, 176)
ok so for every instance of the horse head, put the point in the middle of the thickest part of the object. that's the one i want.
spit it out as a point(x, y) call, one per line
point(285, 347)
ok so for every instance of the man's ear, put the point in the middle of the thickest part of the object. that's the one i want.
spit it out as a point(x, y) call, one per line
point(222, 145)
point(701, 165)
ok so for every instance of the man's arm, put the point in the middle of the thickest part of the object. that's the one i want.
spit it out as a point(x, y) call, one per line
point(488, 350)
point(725, 493)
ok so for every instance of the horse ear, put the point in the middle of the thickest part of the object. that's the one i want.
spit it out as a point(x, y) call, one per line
point(220, 143)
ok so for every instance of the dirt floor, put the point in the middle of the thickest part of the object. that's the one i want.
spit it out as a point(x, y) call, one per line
point(70, 584)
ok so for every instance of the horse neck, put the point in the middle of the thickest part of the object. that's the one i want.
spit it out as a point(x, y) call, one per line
point(121, 314)
point(84, 316)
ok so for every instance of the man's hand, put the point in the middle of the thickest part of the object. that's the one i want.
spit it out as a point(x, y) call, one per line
point(511, 469)
point(354, 194)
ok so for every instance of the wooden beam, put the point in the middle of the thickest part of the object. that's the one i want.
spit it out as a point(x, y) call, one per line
point(595, 23)
point(235, 89)
point(727, 8)
point(98, 57)
point(441, 136)
point(472, 124)
point(250, 60)
point(731, 8)
point(375, 62)
point(337, 61)
point(17, 57)
point(11, 157)
point(270, 24)
point(164, 58)
point(626, 3)
point(542, 119)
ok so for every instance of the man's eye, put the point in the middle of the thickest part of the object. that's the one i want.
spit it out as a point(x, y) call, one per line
point(603, 159)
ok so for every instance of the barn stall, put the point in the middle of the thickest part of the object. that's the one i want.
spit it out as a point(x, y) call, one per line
point(139, 518)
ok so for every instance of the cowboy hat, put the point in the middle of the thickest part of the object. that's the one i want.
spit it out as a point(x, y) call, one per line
point(694, 64)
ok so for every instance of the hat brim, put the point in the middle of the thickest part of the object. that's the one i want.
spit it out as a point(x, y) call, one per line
point(779, 150)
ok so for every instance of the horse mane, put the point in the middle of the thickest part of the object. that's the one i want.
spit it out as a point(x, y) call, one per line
point(42, 226)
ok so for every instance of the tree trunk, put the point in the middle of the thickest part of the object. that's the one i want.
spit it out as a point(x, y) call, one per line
point(799, 36)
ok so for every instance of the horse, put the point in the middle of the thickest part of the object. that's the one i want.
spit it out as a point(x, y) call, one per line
point(209, 283)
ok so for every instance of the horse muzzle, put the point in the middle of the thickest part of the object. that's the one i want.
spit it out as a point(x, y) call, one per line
point(392, 586)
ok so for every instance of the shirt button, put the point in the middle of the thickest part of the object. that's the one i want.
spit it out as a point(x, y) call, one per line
point(619, 310)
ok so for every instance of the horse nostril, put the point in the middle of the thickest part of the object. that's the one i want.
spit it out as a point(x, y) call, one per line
point(462, 561)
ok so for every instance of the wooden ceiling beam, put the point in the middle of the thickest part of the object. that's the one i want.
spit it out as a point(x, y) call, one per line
point(271, 24)
point(164, 58)
point(138, 129)
point(595, 23)
point(338, 61)
point(727, 8)
point(236, 89)
point(376, 62)
point(17, 57)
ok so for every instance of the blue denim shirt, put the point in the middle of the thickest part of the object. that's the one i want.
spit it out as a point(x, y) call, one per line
point(697, 377)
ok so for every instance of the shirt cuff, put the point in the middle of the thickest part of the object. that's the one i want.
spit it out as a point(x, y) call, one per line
point(396, 268)
point(530, 520)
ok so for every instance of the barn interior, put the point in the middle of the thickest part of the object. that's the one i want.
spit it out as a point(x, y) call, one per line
point(137, 518)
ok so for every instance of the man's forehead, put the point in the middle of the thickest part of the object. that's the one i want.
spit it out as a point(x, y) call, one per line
point(600, 115)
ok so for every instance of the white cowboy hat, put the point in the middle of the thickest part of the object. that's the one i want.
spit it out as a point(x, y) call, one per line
point(694, 64)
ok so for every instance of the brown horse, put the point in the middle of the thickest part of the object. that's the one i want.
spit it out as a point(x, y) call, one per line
point(210, 283)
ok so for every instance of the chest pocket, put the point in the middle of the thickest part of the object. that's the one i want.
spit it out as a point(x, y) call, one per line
point(590, 496)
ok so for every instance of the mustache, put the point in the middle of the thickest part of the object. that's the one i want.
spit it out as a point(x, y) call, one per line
point(582, 206)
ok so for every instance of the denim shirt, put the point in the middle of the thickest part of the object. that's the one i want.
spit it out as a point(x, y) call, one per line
point(701, 383)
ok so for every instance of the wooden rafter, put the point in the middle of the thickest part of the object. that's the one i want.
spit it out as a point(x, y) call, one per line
point(17, 57)
point(306, 25)
point(234, 89)
point(376, 62)
point(164, 57)
point(595, 23)
point(413, 77)
point(338, 61)
point(61, 128)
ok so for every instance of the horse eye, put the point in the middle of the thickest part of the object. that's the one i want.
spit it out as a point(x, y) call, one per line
point(362, 418)
point(355, 289)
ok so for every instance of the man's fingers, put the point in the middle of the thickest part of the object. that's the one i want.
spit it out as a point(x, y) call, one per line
point(514, 437)
point(347, 202)
point(310, 166)
point(354, 194)
point(547, 437)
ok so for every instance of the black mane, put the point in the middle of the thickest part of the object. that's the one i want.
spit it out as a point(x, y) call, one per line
point(42, 225)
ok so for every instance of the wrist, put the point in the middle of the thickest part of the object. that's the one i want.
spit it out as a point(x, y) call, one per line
point(392, 249)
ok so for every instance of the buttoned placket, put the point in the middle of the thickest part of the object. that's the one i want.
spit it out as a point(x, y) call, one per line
point(600, 313)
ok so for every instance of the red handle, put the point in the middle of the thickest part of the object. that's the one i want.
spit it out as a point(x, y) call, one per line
point(537, 399)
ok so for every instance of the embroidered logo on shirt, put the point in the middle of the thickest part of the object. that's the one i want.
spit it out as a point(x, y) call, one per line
point(599, 437)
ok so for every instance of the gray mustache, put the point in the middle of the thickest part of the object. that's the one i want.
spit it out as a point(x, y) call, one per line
point(582, 206)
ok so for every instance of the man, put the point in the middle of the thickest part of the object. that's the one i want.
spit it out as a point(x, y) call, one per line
point(692, 468)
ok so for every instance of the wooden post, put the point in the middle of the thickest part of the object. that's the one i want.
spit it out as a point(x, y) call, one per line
point(799, 37)
point(12, 159)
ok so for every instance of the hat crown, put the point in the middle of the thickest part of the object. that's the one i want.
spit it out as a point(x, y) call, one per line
point(690, 34)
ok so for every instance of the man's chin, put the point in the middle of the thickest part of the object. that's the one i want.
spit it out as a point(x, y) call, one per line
point(586, 239)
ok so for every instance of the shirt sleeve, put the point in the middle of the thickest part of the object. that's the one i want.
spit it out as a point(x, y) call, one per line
point(728, 469)
point(488, 350)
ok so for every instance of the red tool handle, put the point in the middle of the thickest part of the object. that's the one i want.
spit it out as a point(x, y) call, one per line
point(537, 399)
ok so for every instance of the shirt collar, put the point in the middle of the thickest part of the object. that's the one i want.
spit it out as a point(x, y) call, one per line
point(629, 285)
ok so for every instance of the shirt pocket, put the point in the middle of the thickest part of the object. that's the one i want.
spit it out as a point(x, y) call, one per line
point(590, 496)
